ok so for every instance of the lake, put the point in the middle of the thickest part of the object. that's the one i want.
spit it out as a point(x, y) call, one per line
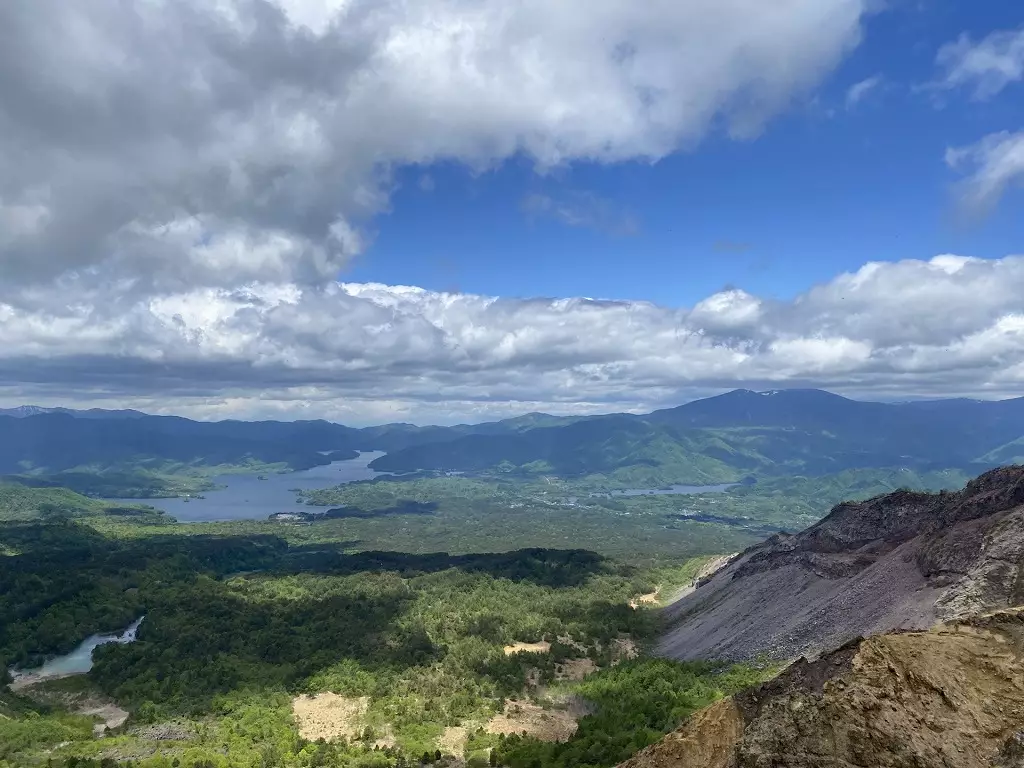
point(246, 497)
point(78, 662)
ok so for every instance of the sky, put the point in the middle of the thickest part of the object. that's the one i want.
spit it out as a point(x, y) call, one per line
point(457, 210)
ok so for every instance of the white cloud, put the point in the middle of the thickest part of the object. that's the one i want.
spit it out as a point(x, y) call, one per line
point(986, 66)
point(367, 353)
point(727, 310)
point(856, 93)
point(186, 142)
point(992, 165)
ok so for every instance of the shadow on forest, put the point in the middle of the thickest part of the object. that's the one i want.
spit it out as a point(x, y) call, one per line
point(66, 545)
point(204, 638)
point(544, 567)
point(401, 507)
point(61, 581)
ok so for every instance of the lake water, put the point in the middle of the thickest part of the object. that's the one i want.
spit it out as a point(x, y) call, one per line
point(78, 662)
point(246, 497)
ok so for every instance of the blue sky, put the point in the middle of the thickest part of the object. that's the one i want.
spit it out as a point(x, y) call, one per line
point(825, 188)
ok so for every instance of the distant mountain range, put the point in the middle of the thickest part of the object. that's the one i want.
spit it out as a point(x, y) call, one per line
point(23, 411)
point(742, 432)
point(718, 439)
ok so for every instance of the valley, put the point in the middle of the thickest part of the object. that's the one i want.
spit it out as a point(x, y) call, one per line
point(340, 611)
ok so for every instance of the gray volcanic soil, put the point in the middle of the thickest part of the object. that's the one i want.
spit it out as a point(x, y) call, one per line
point(905, 560)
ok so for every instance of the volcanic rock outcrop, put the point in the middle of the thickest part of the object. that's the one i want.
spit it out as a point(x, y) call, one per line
point(905, 560)
point(950, 697)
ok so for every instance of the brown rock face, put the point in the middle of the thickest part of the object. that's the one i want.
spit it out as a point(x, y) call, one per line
point(706, 740)
point(951, 697)
point(901, 561)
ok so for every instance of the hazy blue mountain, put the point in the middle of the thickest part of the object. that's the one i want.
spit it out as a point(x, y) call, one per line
point(23, 411)
point(717, 439)
point(60, 441)
point(55, 440)
point(740, 432)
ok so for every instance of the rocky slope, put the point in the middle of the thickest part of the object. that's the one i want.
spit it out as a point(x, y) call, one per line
point(900, 561)
point(951, 697)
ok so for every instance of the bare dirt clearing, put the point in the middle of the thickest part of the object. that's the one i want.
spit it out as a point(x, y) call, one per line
point(534, 720)
point(542, 647)
point(329, 716)
point(651, 598)
point(624, 648)
point(575, 669)
point(79, 698)
point(453, 740)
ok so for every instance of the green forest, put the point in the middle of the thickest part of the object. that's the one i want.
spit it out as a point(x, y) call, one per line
point(468, 513)
point(239, 625)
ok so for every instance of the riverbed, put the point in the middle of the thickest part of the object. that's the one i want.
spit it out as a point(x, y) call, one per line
point(247, 497)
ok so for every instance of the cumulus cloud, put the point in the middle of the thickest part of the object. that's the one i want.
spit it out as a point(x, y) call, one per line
point(179, 143)
point(986, 66)
point(992, 166)
point(366, 353)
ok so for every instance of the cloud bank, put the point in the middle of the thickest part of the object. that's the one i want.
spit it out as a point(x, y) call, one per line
point(364, 353)
point(170, 144)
